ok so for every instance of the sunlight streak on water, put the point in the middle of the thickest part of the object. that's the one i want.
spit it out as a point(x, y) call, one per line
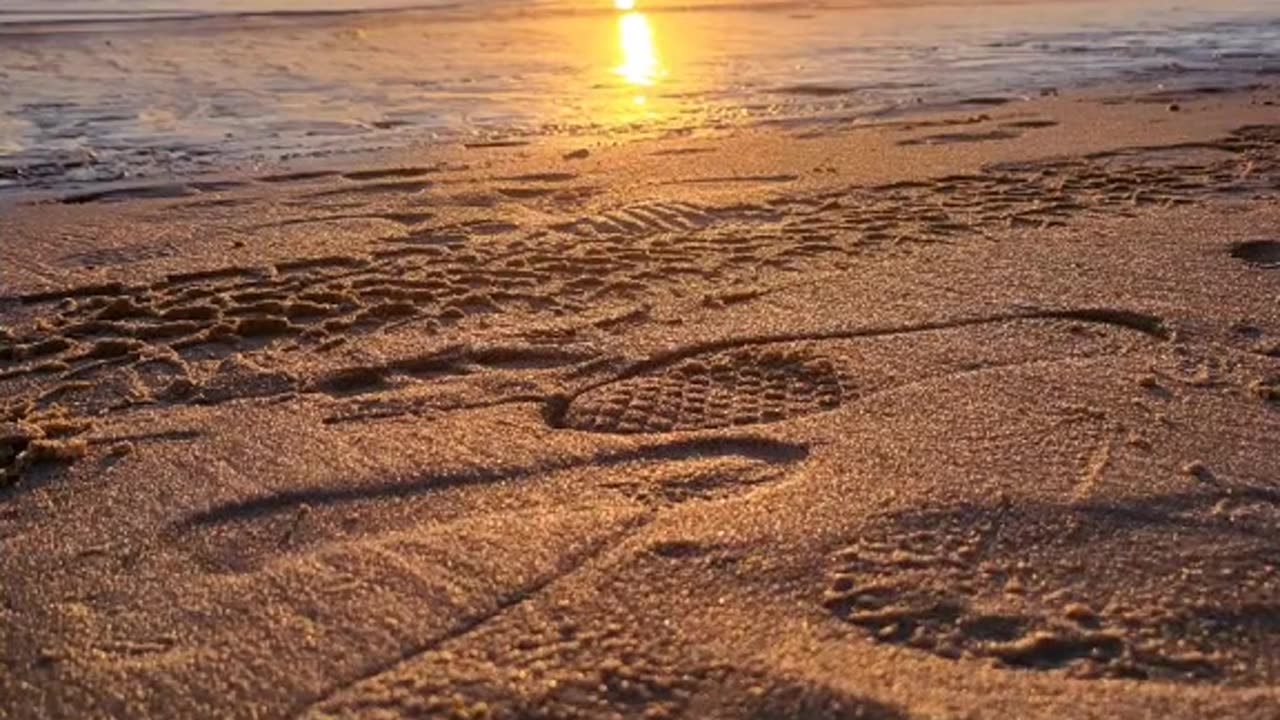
point(640, 62)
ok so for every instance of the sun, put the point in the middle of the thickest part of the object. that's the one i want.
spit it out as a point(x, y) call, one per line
point(625, 5)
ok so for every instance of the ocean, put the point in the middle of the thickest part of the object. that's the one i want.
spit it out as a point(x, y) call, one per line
point(107, 90)
point(73, 11)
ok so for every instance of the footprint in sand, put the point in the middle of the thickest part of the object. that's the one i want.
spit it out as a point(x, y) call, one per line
point(768, 380)
point(742, 386)
point(1171, 588)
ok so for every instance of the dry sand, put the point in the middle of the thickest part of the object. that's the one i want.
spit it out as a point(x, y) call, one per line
point(970, 416)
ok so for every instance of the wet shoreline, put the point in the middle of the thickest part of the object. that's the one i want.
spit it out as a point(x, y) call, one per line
point(86, 108)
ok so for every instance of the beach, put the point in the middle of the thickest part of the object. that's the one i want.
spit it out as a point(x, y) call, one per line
point(967, 412)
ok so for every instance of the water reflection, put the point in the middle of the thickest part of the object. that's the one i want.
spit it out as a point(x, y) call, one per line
point(641, 65)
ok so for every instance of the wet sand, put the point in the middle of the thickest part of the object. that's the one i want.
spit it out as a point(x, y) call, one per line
point(963, 416)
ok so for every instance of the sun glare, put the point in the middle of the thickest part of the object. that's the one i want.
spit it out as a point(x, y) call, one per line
point(640, 63)
point(625, 5)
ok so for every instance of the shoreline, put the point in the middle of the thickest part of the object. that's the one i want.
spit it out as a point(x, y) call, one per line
point(370, 87)
point(957, 113)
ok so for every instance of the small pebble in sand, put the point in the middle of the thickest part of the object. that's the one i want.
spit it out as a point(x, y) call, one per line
point(1265, 391)
point(1138, 442)
point(580, 154)
point(1079, 612)
point(1175, 107)
point(1197, 470)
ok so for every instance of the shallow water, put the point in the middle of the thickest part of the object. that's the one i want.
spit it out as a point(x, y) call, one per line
point(67, 11)
point(94, 90)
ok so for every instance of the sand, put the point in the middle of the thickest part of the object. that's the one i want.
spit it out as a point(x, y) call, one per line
point(962, 416)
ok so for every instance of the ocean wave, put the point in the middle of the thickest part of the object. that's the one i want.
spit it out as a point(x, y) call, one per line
point(107, 13)
point(19, 16)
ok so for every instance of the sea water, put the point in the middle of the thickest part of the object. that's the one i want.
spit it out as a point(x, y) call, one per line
point(104, 90)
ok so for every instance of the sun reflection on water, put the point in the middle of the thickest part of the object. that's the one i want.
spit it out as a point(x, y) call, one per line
point(641, 66)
